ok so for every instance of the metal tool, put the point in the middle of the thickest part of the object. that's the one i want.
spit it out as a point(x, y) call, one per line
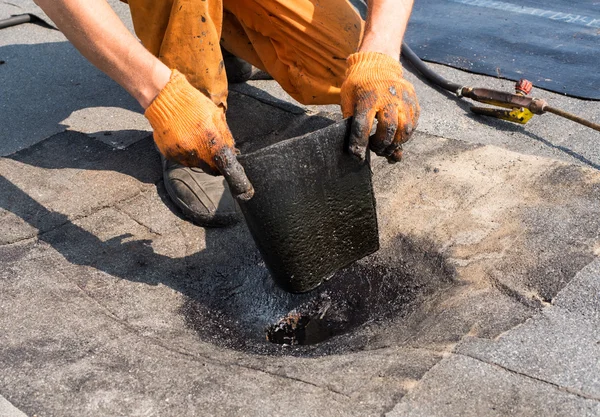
point(521, 107)
point(516, 108)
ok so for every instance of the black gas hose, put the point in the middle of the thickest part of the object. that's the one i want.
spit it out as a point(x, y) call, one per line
point(428, 73)
point(16, 20)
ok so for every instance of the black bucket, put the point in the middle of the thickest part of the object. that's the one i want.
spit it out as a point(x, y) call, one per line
point(313, 211)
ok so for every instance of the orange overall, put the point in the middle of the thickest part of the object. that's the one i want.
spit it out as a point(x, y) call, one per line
point(302, 44)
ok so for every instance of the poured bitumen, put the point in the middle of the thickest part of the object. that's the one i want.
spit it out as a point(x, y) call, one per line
point(483, 299)
point(342, 315)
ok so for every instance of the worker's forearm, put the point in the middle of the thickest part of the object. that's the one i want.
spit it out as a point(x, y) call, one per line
point(98, 33)
point(385, 26)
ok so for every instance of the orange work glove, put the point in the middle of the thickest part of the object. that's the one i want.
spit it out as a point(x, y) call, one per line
point(190, 129)
point(374, 88)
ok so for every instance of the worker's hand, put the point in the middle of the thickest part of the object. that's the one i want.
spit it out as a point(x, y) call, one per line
point(374, 88)
point(190, 129)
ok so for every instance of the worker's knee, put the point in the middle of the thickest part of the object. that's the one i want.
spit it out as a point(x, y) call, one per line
point(302, 44)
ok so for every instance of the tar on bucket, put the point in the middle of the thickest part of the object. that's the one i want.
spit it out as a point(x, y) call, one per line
point(313, 211)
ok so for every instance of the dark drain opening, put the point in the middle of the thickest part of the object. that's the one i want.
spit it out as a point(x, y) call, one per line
point(308, 325)
point(291, 330)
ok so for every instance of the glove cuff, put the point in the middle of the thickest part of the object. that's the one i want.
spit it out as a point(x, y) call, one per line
point(374, 62)
point(176, 107)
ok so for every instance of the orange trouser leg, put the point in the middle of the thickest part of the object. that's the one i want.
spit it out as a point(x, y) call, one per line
point(303, 44)
point(185, 35)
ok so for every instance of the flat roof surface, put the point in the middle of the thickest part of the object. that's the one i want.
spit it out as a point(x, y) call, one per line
point(483, 300)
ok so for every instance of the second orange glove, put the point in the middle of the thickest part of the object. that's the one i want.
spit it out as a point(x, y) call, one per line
point(190, 129)
point(374, 88)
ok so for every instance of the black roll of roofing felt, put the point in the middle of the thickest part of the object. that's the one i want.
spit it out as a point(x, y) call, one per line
point(555, 44)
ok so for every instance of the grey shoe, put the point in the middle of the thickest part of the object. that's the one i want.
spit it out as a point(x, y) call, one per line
point(237, 70)
point(240, 71)
point(202, 198)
